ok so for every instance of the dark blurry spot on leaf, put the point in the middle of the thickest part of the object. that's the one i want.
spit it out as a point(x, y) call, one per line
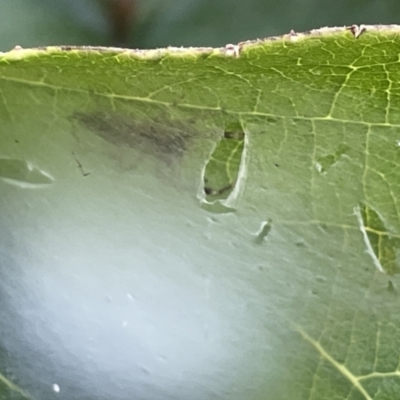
point(161, 137)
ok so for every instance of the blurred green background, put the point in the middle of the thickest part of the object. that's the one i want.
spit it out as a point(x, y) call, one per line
point(159, 23)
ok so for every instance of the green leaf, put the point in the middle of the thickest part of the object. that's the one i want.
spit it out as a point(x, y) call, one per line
point(202, 223)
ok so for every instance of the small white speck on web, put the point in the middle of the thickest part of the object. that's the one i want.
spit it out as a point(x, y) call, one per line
point(130, 297)
point(56, 388)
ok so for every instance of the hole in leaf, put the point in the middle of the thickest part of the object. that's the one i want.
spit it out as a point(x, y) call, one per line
point(225, 172)
point(381, 246)
point(325, 162)
point(264, 231)
point(21, 173)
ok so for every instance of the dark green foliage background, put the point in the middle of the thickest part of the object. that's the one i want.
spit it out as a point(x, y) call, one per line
point(181, 22)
